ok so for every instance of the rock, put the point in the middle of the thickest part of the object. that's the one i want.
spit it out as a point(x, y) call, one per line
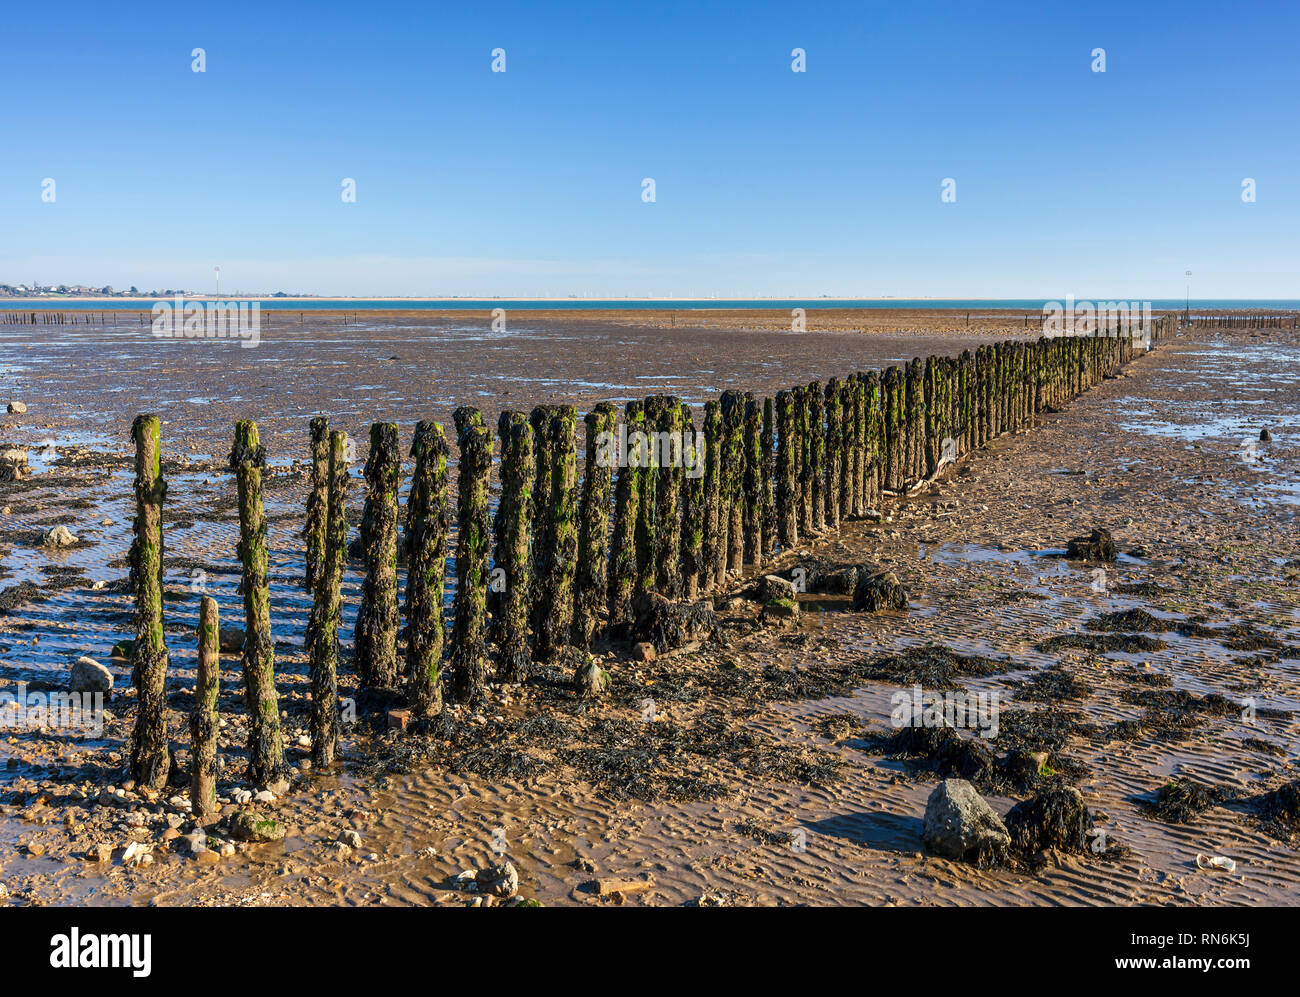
point(784, 611)
point(771, 587)
point(88, 675)
point(102, 852)
point(667, 624)
point(207, 856)
point(17, 408)
point(590, 680)
point(60, 536)
point(877, 589)
point(13, 465)
point(1265, 436)
point(230, 639)
point(498, 880)
point(350, 837)
point(960, 825)
point(248, 826)
point(264, 796)
point(1097, 546)
point(643, 651)
point(123, 649)
point(398, 719)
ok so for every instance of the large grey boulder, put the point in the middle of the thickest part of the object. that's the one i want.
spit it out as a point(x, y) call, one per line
point(960, 825)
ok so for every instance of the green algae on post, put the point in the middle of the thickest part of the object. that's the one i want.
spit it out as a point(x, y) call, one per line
point(514, 531)
point(377, 617)
point(326, 609)
point(468, 650)
point(203, 715)
point(426, 567)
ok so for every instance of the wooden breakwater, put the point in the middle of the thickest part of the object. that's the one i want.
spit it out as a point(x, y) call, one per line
point(1242, 320)
point(673, 501)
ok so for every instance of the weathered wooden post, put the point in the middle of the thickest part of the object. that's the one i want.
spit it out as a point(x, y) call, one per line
point(317, 503)
point(693, 460)
point(647, 541)
point(149, 759)
point(856, 443)
point(733, 471)
point(891, 431)
point(426, 568)
point(787, 483)
point(801, 454)
point(203, 715)
point(816, 463)
point(668, 512)
point(834, 439)
point(627, 503)
point(556, 537)
point(326, 609)
point(873, 432)
point(474, 527)
point(767, 442)
point(377, 617)
point(752, 511)
point(265, 747)
point(714, 540)
point(513, 529)
point(590, 593)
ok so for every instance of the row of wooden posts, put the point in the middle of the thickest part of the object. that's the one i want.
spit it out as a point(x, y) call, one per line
point(45, 317)
point(1251, 320)
point(564, 557)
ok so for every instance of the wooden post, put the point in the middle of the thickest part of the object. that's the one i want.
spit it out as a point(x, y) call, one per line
point(693, 464)
point(767, 443)
point(556, 538)
point(627, 504)
point(265, 747)
point(752, 511)
point(149, 759)
point(474, 526)
point(591, 575)
point(668, 512)
point(426, 568)
point(514, 531)
point(327, 609)
point(733, 470)
point(377, 617)
point(787, 484)
point(317, 513)
point(203, 715)
point(714, 540)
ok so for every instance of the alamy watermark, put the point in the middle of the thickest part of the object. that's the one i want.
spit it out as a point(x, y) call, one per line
point(75, 712)
point(183, 319)
point(651, 450)
point(1112, 319)
point(955, 708)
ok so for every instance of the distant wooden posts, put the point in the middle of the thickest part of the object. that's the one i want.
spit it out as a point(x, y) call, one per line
point(149, 759)
point(426, 566)
point(203, 715)
point(327, 608)
point(378, 617)
point(265, 746)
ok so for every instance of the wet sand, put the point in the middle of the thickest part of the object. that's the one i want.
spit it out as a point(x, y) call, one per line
point(1207, 526)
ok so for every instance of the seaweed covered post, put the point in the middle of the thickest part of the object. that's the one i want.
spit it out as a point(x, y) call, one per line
point(692, 552)
point(873, 441)
point(317, 501)
point(469, 653)
point(834, 440)
point(731, 514)
point(627, 504)
point(543, 459)
point(265, 747)
point(787, 484)
point(326, 609)
point(816, 463)
point(801, 455)
point(714, 552)
point(149, 759)
point(557, 536)
point(589, 594)
point(914, 469)
point(514, 529)
point(853, 441)
point(203, 715)
point(752, 511)
point(930, 446)
point(426, 567)
point(767, 442)
point(377, 617)
point(668, 490)
point(646, 520)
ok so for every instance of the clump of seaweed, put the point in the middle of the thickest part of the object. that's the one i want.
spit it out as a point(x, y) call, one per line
point(1055, 819)
point(1182, 801)
point(1128, 621)
point(1279, 809)
point(932, 665)
point(1051, 685)
point(1101, 643)
point(1096, 546)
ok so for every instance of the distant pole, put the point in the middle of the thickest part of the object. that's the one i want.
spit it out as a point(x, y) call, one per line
point(218, 270)
point(1187, 309)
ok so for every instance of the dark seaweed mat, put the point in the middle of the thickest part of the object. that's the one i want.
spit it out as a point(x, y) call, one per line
point(1183, 800)
point(1101, 643)
point(932, 665)
point(1051, 685)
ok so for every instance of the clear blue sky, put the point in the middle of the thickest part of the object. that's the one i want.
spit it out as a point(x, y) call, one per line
point(769, 182)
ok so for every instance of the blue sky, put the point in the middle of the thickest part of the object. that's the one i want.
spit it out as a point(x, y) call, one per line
point(768, 182)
